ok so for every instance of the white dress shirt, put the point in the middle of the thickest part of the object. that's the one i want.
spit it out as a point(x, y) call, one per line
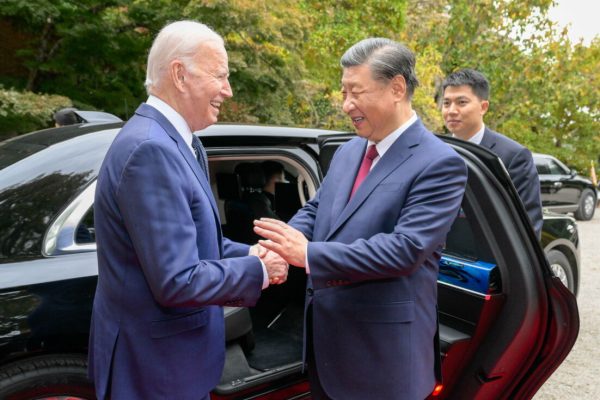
point(476, 138)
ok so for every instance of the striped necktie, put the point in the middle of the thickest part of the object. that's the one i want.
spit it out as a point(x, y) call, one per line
point(200, 154)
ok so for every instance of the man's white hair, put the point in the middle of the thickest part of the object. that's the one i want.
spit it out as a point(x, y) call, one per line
point(176, 41)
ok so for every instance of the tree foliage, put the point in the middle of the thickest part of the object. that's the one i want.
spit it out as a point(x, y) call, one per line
point(284, 59)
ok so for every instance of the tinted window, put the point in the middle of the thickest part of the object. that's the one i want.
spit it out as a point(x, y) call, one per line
point(542, 166)
point(34, 189)
point(86, 232)
point(556, 169)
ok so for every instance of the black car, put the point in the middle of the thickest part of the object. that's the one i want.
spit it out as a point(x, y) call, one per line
point(563, 190)
point(506, 321)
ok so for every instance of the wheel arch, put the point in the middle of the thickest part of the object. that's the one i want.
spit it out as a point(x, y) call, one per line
point(568, 249)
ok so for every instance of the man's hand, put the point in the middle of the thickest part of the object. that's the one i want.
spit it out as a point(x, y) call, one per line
point(257, 250)
point(277, 268)
point(284, 240)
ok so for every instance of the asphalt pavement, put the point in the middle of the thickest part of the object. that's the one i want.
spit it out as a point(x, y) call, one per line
point(576, 378)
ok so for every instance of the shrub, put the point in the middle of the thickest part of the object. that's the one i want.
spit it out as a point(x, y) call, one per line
point(22, 112)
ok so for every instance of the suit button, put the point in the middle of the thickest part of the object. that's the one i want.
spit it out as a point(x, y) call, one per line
point(309, 291)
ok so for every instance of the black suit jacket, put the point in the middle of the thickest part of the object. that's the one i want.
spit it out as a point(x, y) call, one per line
point(519, 163)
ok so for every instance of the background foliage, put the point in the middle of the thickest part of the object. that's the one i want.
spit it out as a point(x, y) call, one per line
point(284, 61)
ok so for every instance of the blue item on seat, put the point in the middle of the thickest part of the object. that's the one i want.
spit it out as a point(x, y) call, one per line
point(477, 276)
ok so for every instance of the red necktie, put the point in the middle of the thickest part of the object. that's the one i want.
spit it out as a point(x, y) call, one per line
point(365, 167)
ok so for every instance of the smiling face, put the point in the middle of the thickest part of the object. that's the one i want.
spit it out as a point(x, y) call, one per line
point(463, 111)
point(371, 104)
point(206, 86)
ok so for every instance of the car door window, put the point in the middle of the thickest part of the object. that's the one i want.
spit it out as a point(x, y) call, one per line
point(543, 167)
point(85, 233)
point(556, 169)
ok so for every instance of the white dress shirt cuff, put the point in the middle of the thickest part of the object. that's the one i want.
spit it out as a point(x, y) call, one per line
point(264, 269)
point(265, 275)
point(306, 267)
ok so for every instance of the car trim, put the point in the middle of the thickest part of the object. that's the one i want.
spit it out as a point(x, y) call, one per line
point(60, 236)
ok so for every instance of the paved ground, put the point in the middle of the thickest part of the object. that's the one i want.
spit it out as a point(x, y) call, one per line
point(576, 378)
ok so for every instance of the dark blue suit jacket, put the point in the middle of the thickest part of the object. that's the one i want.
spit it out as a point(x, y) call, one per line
point(521, 168)
point(374, 264)
point(157, 326)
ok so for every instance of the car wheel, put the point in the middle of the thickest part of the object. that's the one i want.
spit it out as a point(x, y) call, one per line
point(587, 206)
point(561, 268)
point(47, 377)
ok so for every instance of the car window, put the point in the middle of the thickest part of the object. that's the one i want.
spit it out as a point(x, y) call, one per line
point(85, 232)
point(543, 167)
point(556, 169)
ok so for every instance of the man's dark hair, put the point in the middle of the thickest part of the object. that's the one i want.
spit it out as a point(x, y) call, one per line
point(469, 77)
point(386, 58)
point(66, 116)
point(271, 168)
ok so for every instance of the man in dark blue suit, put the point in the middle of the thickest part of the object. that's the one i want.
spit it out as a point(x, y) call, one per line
point(465, 102)
point(163, 273)
point(371, 238)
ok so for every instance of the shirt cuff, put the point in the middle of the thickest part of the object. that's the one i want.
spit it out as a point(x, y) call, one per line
point(265, 283)
point(306, 266)
point(265, 275)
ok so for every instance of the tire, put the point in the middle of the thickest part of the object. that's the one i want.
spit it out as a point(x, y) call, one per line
point(560, 266)
point(49, 376)
point(587, 206)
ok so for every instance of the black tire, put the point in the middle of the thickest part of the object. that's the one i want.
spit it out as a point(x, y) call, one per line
point(560, 266)
point(61, 375)
point(587, 206)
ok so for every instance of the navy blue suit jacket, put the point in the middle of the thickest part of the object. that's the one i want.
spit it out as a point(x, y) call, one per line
point(521, 168)
point(374, 264)
point(157, 326)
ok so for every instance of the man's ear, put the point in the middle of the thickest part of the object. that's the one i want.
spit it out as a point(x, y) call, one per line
point(485, 105)
point(398, 87)
point(177, 74)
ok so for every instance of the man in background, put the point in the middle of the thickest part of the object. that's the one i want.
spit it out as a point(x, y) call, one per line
point(465, 102)
point(163, 266)
point(274, 172)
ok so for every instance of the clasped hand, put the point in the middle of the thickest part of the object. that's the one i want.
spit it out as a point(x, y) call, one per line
point(276, 266)
point(282, 239)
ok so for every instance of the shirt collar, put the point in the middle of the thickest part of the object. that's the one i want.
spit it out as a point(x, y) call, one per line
point(387, 142)
point(174, 118)
point(476, 138)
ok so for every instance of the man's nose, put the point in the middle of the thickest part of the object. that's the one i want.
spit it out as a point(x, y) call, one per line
point(348, 105)
point(227, 91)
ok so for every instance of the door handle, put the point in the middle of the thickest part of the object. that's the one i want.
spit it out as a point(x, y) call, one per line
point(557, 185)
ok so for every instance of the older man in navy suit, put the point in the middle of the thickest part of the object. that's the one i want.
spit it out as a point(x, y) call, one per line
point(371, 238)
point(157, 326)
point(465, 102)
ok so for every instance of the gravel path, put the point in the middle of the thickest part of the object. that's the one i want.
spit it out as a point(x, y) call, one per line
point(576, 378)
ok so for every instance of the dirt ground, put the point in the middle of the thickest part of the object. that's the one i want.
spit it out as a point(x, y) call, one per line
point(576, 378)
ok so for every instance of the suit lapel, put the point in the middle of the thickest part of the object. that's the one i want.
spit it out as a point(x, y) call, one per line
point(150, 112)
point(396, 155)
point(345, 181)
point(488, 140)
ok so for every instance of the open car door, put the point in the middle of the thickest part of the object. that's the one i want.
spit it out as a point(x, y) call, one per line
point(506, 323)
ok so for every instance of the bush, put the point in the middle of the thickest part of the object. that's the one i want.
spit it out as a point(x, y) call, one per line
point(22, 112)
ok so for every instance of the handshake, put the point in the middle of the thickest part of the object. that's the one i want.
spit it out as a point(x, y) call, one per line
point(277, 267)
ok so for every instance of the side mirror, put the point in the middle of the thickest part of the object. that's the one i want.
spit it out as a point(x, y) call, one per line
point(573, 172)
